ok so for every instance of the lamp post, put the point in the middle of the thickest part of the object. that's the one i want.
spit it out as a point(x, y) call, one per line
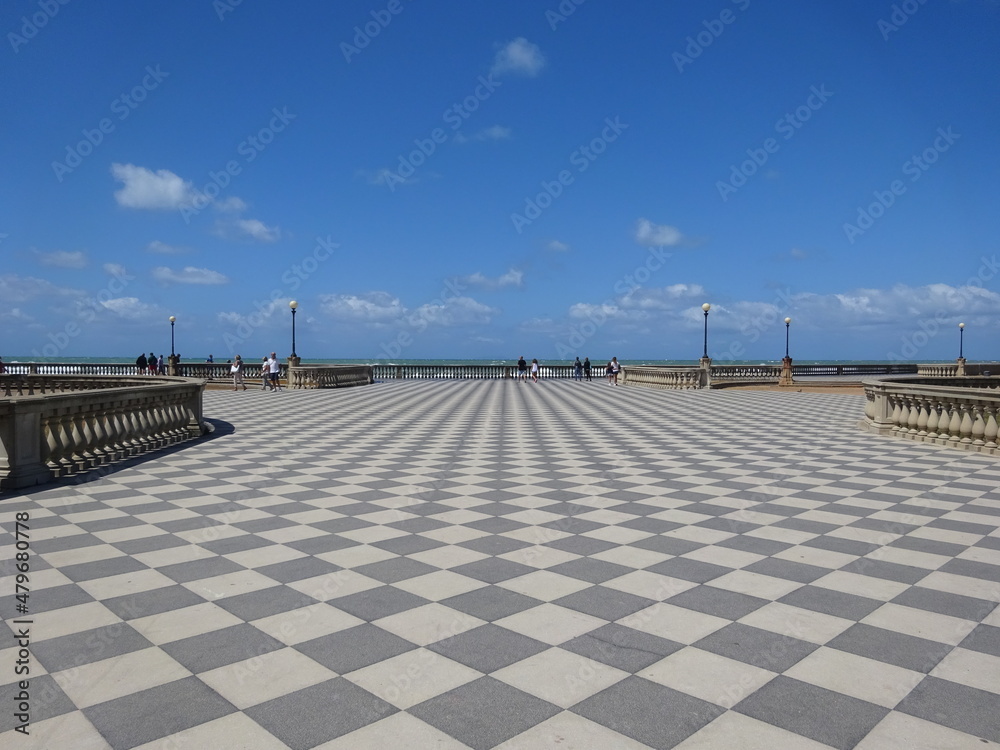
point(961, 339)
point(786, 364)
point(788, 322)
point(293, 305)
point(706, 307)
point(172, 360)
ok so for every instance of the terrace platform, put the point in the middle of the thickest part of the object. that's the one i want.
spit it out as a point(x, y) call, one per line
point(492, 564)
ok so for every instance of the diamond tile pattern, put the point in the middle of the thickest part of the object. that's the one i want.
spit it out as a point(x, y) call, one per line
point(478, 564)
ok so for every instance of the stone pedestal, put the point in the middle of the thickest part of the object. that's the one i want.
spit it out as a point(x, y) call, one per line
point(961, 367)
point(294, 361)
point(172, 365)
point(705, 364)
point(786, 372)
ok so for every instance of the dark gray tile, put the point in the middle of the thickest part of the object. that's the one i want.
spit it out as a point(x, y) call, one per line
point(689, 570)
point(217, 648)
point(339, 525)
point(754, 544)
point(719, 602)
point(667, 545)
point(907, 651)
point(965, 709)
point(581, 545)
point(931, 546)
point(636, 708)
point(887, 527)
point(421, 524)
point(152, 714)
point(320, 713)
point(644, 523)
point(574, 525)
point(488, 648)
point(111, 566)
point(106, 524)
point(890, 571)
point(591, 570)
point(150, 544)
point(264, 602)
point(144, 603)
point(408, 545)
point(606, 603)
point(395, 569)
point(621, 647)
point(839, 544)
point(240, 543)
point(761, 648)
point(821, 715)
point(298, 569)
point(788, 570)
point(732, 525)
point(196, 570)
point(47, 700)
point(830, 602)
point(945, 603)
point(985, 639)
point(61, 543)
point(801, 524)
point(493, 570)
point(374, 604)
point(188, 524)
point(484, 713)
point(973, 569)
point(46, 600)
point(494, 544)
point(962, 526)
point(317, 545)
point(491, 603)
point(76, 649)
point(354, 648)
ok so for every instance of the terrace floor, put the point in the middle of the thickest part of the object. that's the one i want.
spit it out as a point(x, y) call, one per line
point(481, 564)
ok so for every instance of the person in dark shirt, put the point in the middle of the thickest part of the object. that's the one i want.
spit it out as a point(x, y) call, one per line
point(522, 369)
point(586, 367)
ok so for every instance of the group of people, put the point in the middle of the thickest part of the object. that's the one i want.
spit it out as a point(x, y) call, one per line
point(151, 365)
point(581, 370)
point(270, 373)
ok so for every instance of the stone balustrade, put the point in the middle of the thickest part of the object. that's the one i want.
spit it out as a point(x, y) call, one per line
point(960, 412)
point(757, 373)
point(57, 434)
point(663, 378)
point(329, 376)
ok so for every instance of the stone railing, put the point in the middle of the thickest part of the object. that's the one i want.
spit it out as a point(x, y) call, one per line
point(32, 385)
point(329, 376)
point(470, 372)
point(952, 370)
point(957, 412)
point(760, 373)
point(664, 378)
point(43, 437)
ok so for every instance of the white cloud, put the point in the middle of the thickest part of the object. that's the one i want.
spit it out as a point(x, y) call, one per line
point(15, 289)
point(492, 133)
point(558, 247)
point(130, 308)
point(373, 307)
point(649, 234)
point(455, 311)
point(246, 229)
point(232, 205)
point(160, 190)
point(162, 248)
point(189, 275)
point(513, 277)
point(519, 56)
point(62, 259)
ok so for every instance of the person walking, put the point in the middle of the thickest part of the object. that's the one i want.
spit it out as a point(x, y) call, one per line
point(578, 369)
point(275, 367)
point(586, 368)
point(607, 372)
point(237, 370)
point(615, 367)
point(265, 374)
point(534, 371)
point(522, 369)
point(141, 363)
point(160, 367)
point(152, 363)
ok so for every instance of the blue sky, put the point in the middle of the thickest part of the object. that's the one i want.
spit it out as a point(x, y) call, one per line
point(466, 180)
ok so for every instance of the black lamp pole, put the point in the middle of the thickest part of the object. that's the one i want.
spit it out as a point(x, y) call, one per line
point(961, 339)
point(706, 307)
point(172, 319)
point(293, 304)
point(788, 323)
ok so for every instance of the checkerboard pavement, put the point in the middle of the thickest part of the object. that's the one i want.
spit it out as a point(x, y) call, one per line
point(487, 564)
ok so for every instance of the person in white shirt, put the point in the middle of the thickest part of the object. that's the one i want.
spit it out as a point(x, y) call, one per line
point(237, 370)
point(274, 366)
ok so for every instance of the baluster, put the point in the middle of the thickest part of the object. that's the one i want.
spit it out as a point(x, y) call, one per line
point(921, 416)
point(966, 424)
point(913, 416)
point(87, 440)
point(901, 415)
point(954, 424)
point(932, 419)
point(992, 429)
point(978, 425)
